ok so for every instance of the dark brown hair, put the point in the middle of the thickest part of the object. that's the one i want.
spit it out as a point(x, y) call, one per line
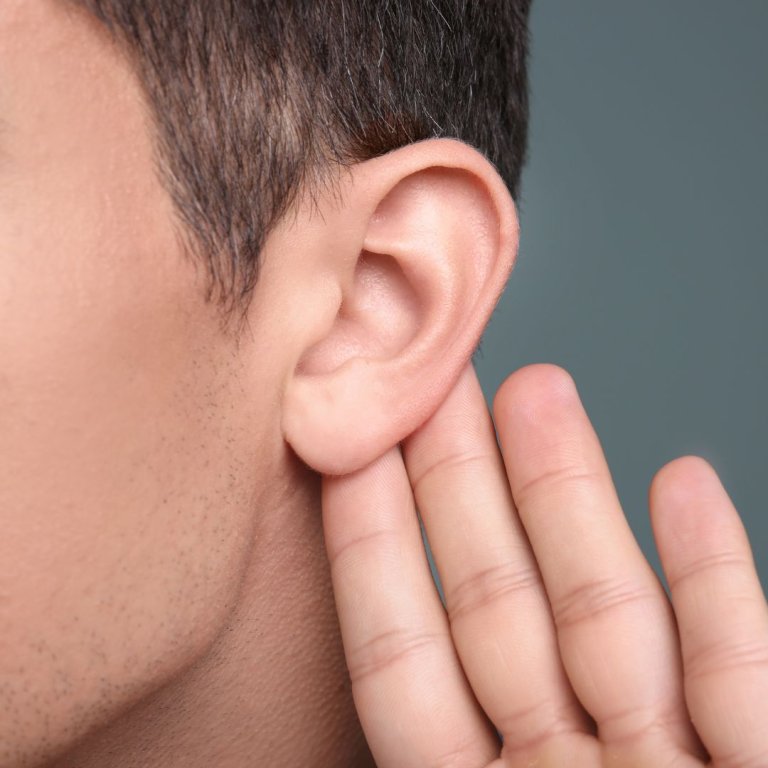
point(252, 99)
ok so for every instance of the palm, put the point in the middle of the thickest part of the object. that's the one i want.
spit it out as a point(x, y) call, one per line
point(556, 631)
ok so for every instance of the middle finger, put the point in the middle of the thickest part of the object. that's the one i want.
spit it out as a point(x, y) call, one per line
point(496, 603)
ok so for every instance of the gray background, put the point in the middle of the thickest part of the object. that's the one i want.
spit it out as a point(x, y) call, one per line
point(643, 266)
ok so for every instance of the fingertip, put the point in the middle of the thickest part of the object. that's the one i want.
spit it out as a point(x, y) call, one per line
point(692, 516)
point(684, 484)
point(531, 386)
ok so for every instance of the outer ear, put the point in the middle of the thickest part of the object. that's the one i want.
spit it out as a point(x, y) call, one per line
point(409, 269)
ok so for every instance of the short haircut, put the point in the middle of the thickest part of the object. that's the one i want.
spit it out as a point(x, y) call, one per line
point(255, 101)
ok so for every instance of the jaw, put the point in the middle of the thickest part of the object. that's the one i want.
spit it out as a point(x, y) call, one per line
point(273, 687)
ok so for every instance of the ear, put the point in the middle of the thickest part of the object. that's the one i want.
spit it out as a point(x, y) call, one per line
point(407, 271)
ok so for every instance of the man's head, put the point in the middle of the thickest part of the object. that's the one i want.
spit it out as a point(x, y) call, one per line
point(162, 162)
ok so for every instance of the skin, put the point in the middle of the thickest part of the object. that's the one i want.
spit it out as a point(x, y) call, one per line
point(556, 629)
point(166, 596)
point(164, 584)
point(138, 564)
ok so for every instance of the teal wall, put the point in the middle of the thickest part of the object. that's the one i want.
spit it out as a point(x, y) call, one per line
point(643, 266)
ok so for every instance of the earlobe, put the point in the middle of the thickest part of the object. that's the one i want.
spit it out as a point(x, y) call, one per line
point(437, 239)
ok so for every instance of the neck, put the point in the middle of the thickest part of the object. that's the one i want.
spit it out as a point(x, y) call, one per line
point(273, 689)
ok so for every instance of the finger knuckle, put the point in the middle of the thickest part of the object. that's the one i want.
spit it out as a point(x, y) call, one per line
point(387, 649)
point(495, 584)
point(460, 459)
point(708, 564)
point(570, 480)
point(533, 724)
point(726, 655)
point(466, 754)
point(380, 539)
point(587, 601)
point(638, 723)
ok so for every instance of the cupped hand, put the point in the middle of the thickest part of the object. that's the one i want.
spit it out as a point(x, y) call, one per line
point(556, 631)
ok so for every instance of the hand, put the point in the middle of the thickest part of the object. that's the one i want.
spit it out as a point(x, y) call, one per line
point(557, 631)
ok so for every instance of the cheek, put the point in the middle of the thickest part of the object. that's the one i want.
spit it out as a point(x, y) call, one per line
point(126, 499)
point(125, 481)
point(127, 436)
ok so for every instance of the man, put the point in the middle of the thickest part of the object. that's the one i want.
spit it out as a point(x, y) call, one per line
point(247, 245)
